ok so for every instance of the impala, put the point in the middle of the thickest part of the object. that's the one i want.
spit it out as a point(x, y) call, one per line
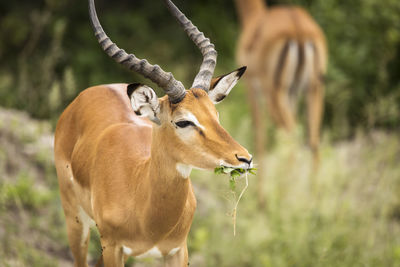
point(285, 52)
point(124, 156)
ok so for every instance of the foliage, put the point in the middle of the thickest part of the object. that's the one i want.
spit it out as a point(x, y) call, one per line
point(349, 215)
point(234, 172)
point(347, 218)
point(363, 85)
point(32, 228)
point(48, 53)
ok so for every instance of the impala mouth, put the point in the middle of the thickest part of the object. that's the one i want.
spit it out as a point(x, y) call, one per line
point(234, 172)
point(245, 166)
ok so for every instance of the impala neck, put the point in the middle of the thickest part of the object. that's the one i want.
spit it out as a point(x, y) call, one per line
point(168, 189)
point(246, 9)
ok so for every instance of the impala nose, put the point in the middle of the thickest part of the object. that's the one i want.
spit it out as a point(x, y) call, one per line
point(245, 160)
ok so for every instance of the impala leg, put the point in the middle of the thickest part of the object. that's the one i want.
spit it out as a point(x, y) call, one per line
point(274, 112)
point(179, 259)
point(315, 112)
point(257, 120)
point(284, 109)
point(283, 61)
point(77, 241)
point(256, 112)
point(259, 133)
point(77, 230)
point(100, 261)
point(112, 256)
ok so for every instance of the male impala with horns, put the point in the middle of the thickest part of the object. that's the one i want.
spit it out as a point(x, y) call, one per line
point(124, 156)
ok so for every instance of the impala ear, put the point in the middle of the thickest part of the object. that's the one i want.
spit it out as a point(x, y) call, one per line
point(222, 85)
point(144, 101)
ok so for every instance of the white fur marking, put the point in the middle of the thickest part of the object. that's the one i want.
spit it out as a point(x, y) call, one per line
point(309, 65)
point(151, 253)
point(184, 169)
point(144, 100)
point(87, 222)
point(290, 66)
point(127, 250)
point(173, 251)
point(224, 86)
point(190, 117)
point(72, 178)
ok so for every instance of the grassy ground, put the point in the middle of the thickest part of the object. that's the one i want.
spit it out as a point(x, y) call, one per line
point(350, 216)
point(31, 221)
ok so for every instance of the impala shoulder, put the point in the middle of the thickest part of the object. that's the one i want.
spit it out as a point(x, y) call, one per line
point(107, 91)
point(131, 138)
point(116, 86)
point(300, 11)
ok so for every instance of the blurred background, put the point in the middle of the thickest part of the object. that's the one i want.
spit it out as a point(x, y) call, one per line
point(48, 54)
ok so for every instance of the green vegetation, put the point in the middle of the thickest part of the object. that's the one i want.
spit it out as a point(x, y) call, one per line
point(348, 218)
point(234, 173)
point(32, 231)
point(48, 53)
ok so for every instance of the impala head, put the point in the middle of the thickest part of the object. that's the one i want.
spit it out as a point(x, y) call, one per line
point(191, 127)
point(187, 118)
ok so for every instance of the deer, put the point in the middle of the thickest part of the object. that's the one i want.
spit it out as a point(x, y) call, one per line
point(285, 52)
point(124, 156)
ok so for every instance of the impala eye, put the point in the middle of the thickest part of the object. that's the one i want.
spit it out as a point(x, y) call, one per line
point(183, 124)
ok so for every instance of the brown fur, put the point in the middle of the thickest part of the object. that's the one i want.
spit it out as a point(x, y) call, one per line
point(124, 174)
point(263, 47)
